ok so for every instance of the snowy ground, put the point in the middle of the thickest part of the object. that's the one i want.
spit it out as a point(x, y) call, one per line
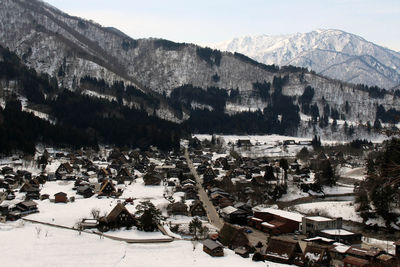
point(353, 173)
point(68, 214)
point(334, 209)
point(59, 247)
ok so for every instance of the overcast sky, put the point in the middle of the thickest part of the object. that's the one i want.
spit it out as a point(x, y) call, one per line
point(211, 21)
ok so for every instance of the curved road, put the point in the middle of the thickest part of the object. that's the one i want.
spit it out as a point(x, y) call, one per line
point(212, 214)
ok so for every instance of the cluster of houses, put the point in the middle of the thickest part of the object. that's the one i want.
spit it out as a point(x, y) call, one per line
point(326, 243)
point(93, 175)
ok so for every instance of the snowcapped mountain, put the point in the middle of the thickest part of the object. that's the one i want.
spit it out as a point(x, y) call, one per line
point(71, 49)
point(333, 53)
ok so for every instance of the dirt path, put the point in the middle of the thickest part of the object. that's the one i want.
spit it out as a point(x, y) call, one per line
point(212, 213)
point(128, 240)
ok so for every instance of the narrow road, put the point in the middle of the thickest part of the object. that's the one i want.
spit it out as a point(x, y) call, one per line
point(212, 214)
point(127, 240)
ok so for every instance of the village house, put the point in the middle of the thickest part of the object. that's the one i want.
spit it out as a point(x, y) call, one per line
point(351, 261)
point(63, 170)
point(275, 221)
point(283, 251)
point(107, 188)
point(118, 217)
point(313, 224)
point(337, 254)
point(209, 175)
point(152, 178)
point(32, 193)
point(85, 191)
point(233, 236)
point(60, 197)
point(213, 248)
point(197, 209)
point(26, 207)
point(369, 255)
point(177, 208)
point(316, 256)
point(234, 215)
point(341, 235)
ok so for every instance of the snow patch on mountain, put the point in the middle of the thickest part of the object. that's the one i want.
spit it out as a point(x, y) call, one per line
point(331, 52)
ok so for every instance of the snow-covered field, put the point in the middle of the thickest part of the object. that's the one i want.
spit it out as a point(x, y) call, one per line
point(59, 247)
point(68, 214)
point(353, 173)
point(334, 209)
point(262, 145)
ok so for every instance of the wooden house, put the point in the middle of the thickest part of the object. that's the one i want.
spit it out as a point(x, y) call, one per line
point(356, 262)
point(209, 175)
point(118, 217)
point(107, 188)
point(44, 196)
point(25, 187)
point(362, 253)
point(152, 178)
point(85, 190)
point(283, 251)
point(63, 170)
point(26, 207)
point(386, 260)
point(60, 197)
point(32, 193)
point(232, 236)
point(316, 256)
point(197, 209)
point(213, 248)
point(103, 173)
point(276, 221)
point(234, 215)
point(124, 172)
point(177, 208)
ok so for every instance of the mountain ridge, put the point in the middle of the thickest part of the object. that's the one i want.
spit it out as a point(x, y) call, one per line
point(297, 49)
point(182, 77)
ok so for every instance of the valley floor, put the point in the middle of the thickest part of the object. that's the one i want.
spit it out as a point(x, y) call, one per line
point(24, 246)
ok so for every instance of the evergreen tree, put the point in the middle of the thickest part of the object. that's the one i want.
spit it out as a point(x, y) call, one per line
point(149, 216)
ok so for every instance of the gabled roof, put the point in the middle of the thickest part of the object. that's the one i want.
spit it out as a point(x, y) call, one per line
point(363, 252)
point(112, 216)
point(60, 194)
point(358, 261)
point(195, 204)
point(230, 233)
point(282, 249)
point(67, 166)
point(282, 213)
point(211, 245)
point(314, 253)
point(105, 183)
point(28, 203)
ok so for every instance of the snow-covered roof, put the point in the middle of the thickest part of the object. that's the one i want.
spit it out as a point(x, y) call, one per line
point(229, 210)
point(256, 219)
point(337, 232)
point(324, 239)
point(341, 248)
point(267, 224)
point(319, 218)
point(282, 213)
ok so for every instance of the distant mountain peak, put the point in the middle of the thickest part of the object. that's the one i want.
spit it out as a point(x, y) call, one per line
point(330, 52)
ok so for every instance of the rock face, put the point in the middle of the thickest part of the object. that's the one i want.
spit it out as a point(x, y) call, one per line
point(333, 53)
point(70, 48)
